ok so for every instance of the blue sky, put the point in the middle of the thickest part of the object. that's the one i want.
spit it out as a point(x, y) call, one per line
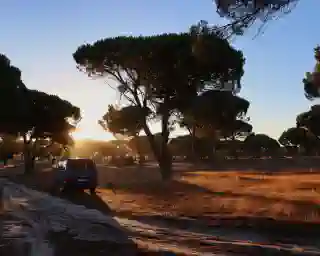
point(40, 37)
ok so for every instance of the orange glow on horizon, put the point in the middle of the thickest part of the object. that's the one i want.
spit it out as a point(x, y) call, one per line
point(91, 134)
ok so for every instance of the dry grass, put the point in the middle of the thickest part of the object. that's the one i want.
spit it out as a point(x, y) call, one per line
point(214, 193)
point(139, 191)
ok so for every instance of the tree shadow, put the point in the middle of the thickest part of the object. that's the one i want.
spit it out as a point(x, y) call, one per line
point(93, 201)
point(166, 190)
point(90, 201)
point(66, 245)
point(267, 165)
point(274, 231)
point(177, 188)
point(177, 191)
point(64, 242)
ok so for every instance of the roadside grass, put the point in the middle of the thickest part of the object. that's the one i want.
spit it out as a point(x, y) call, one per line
point(238, 198)
point(285, 196)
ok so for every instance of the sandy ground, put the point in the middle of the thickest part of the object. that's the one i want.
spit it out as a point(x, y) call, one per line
point(283, 205)
point(51, 226)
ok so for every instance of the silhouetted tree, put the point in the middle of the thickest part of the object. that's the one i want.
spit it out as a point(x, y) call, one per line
point(258, 143)
point(181, 145)
point(230, 146)
point(312, 79)
point(9, 145)
point(48, 116)
point(240, 128)
point(215, 114)
point(186, 146)
point(126, 121)
point(142, 142)
point(163, 73)
point(32, 114)
point(300, 137)
point(244, 13)
point(310, 120)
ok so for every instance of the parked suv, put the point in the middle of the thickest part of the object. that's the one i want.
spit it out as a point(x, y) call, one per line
point(76, 173)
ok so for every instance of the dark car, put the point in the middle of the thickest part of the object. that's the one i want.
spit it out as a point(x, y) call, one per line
point(76, 173)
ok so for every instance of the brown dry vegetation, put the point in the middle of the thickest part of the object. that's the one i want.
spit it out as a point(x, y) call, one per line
point(210, 196)
point(293, 196)
point(211, 193)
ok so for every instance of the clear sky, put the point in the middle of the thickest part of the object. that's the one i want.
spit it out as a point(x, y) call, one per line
point(40, 36)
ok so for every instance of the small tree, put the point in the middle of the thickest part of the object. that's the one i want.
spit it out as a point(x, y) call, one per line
point(215, 114)
point(258, 143)
point(50, 117)
point(299, 137)
point(310, 120)
point(126, 121)
point(312, 79)
point(140, 144)
point(184, 146)
point(163, 73)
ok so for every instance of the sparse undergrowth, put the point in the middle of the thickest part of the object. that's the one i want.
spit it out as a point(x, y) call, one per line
point(216, 197)
point(284, 196)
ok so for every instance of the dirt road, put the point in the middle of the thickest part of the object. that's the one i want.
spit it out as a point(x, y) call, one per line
point(41, 220)
point(136, 207)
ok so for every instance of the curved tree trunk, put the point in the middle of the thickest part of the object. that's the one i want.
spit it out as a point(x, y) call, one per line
point(193, 143)
point(28, 162)
point(28, 156)
point(162, 154)
point(165, 164)
point(5, 160)
point(165, 154)
point(138, 147)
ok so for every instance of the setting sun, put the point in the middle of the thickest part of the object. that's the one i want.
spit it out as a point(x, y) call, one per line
point(93, 133)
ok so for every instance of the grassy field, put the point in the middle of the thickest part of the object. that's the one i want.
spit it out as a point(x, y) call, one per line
point(290, 196)
point(286, 196)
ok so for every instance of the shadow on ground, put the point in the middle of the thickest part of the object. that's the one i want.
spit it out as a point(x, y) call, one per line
point(177, 189)
point(64, 242)
point(89, 201)
point(265, 165)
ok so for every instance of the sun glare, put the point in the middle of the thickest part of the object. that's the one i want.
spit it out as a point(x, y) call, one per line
point(92, 134)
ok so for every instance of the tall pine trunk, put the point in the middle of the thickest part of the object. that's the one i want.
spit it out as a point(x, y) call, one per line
point(28, 156)
point(161, 153)
point(193, 142)
point(138, 147)
point(166, 157)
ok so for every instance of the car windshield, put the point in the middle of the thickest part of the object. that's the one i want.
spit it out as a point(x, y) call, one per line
point(82, 164)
